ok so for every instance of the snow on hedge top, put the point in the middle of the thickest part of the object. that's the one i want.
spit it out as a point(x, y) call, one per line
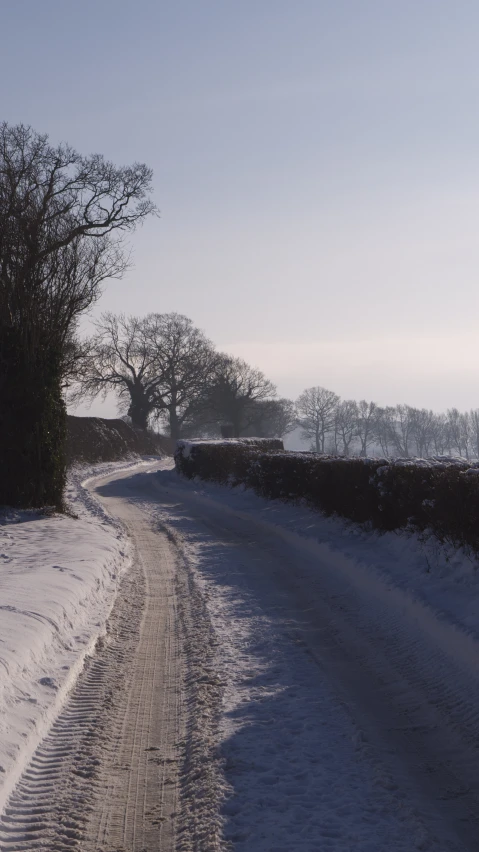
point(185, 447)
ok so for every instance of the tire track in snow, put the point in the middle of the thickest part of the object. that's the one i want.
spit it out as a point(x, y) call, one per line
point(172, 802)
point(139, 774)
point(50, 805)
point(106, 775)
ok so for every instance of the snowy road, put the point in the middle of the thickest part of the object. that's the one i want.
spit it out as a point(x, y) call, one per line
point(256, 690)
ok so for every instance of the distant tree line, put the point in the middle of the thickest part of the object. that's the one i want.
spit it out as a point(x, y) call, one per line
point(364, 428)
point(166, 372)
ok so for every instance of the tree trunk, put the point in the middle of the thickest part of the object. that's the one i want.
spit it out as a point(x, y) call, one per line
point(32, 423)
point(139, 410)
point(174, 424)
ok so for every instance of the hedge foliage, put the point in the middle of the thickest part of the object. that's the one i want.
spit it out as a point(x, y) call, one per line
point(32, 422)
point(434, 496)
point(221, 461)
point(96, 439)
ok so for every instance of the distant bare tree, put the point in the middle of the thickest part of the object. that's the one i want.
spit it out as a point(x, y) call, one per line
point(439, 434)
point(119, 358)
point(157, 365)
point(384, 429)
point(474, 427)
point(422, 430)
point(316, 409)
point(345, 425)
point(403, 430)
point(366, 424)
point(185, 362)
point(272, 418)
point(234, 391)
point(459, 430)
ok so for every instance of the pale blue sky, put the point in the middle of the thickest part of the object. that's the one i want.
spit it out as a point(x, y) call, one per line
point(316, 165)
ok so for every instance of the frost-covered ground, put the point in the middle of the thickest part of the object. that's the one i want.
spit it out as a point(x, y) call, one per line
point(58, 577)
point(341, 654)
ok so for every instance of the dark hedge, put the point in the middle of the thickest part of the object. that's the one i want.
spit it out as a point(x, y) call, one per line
point(95, 439)
point(32, 422)
point(440, 497)
point(221, 461)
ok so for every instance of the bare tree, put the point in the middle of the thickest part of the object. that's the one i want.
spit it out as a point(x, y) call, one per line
point(474, 432)
point(316, 408)
point(402, 434)
point(422, 430)
point(365, 424)
point(459, 430)
point(345, 425)
point(119, 358)
point(384, 429)
point(272, 418)
point(157, 365)
point(62, 216)
point(234, 391)
point(185, 362)
point(439, 434)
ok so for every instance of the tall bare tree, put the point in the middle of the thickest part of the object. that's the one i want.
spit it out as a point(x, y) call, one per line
point(474, 425)
point(316, 408)
point(384, 429)
point(234, 392)
point(62, 216)
point(119, 358)
point(365, 424)
point(271, 418)
point(158, 366)
point(185, 361)
point(345, 425)
point(422, 428)
point(459, 430)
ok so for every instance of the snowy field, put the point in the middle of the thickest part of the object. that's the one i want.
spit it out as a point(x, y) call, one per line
point(58, 577)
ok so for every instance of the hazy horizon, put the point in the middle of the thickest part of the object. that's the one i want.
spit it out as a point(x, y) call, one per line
point(316, 167)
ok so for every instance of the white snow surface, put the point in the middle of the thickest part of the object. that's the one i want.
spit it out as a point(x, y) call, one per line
point(58, 578)
point(299, 771)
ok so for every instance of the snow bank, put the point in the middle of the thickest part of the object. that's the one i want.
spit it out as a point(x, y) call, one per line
point(58, 578)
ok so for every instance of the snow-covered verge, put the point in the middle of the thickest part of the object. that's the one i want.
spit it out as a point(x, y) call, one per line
point(58, 578)
point(419, 570)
